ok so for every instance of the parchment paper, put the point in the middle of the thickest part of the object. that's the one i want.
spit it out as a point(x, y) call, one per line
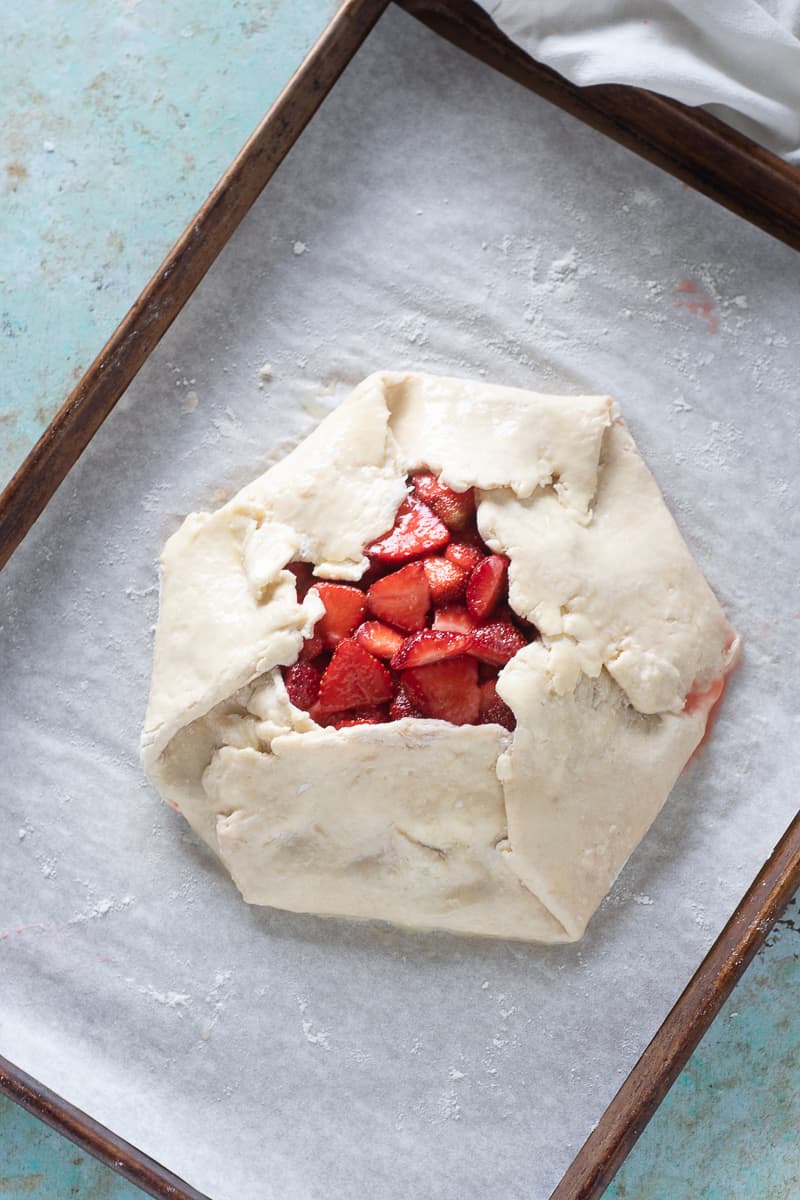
point(434, 216)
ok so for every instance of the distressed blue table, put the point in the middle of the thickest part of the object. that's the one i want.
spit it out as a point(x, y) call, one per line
point(115, 121)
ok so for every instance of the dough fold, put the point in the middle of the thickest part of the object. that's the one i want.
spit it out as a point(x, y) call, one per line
point(419, 822)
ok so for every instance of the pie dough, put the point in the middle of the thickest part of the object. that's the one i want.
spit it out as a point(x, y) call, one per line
point(420, 822)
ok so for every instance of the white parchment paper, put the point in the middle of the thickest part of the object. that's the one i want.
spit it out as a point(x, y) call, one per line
point(435, 216)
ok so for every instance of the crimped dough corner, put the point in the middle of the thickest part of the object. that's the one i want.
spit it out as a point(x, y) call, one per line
point(423, 823)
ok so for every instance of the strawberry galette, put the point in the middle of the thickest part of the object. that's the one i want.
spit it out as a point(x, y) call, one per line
point(439, 666)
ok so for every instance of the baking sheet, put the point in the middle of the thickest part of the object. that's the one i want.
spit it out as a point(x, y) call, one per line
point(436, 216)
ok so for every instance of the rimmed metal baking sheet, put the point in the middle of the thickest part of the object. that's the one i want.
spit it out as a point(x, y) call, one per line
point(433, 216)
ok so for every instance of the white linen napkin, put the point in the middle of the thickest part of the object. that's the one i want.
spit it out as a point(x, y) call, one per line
point(740, 59)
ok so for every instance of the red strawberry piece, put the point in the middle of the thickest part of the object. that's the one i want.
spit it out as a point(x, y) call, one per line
point(505, 613)
point(429, 646)
point(304, 577)
point(463, 555)
point(471, 537)
point(496, 642)
point(453, 619)
point(302, 681)
point(357, 716)
point(447, 582)
point(312, 647)
point(493, 710)
point(403, 706)
point(446, 691)
point(486, 586)
point(379, 639)
point(375, 570)
point(456, 509)
point(416, 531)
point(353, 679)
point(402, 598)
point(344, 610)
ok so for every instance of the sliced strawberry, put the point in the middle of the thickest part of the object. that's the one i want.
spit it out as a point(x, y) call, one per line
point(464, 555)
point(302, 681)
point(375, 570)
point(496, 642)
point(402, 598)
point(344, 610)
point(487, 671)
point(471, 537)
point(505, 613)
point(446, 691)
point(447, 582)
point(429, 646)
point(304, 577)
point(493, 710)
point(403, 706)
point(312, 647)
point(456, 509)
point(416, 531)
point(353, 679)
point(453, 619)
point(381, 640)
point(357, 716)
point(486, 586)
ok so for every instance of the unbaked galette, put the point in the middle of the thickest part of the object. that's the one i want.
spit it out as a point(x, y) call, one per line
point(440, 666)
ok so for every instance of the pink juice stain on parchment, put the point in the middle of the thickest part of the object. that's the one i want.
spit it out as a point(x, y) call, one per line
point(690, 295)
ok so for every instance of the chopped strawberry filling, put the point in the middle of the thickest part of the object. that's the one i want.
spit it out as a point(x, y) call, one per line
point(344, 610)
point(487, 586)
point(357, 716)
point(493, 710)
point(438, 625)
point(402, 598)
point(429, 646)
point(447, 582)
point(447, 690)
point(302, 681)
point(454, 619)
point(381, 640)
point(416, 531)
point(304, 577)
point(463, 555)
point(455, 509)
point(312, 647)
point(403, 706)
point(353, 679)
point(496, 643)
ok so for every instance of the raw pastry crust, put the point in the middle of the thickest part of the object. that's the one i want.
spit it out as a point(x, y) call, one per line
point(419, 822)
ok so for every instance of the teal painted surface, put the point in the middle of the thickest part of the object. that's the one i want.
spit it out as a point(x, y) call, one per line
point(37, 1164)
point(116, 119)
point(730, 1127)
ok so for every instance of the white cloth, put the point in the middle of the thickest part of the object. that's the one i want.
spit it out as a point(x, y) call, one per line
point(740, 59)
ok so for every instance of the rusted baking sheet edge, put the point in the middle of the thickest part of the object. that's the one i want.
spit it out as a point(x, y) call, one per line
point(703, 152)
point(88, 405)
point(691, 145)
point(648, 1083)
point(92, 1137)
